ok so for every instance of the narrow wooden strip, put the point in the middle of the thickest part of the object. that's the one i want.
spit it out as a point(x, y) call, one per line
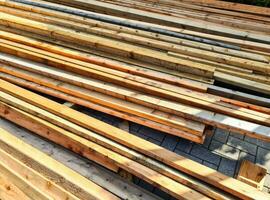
point(248, 84)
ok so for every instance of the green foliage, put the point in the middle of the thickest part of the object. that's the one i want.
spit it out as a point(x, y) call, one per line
point(265, 3)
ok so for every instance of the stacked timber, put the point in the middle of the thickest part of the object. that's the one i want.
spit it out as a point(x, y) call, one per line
point(108, 146)
point(29, 174)
point(157, 72)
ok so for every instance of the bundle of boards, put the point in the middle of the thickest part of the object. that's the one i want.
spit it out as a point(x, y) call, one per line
point(28, 174)
point(139, 75)
point(110, 147)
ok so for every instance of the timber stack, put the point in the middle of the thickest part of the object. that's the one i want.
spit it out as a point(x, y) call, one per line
point(181, 67)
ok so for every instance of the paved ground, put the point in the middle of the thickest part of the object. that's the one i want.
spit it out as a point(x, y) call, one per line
point(222, 151)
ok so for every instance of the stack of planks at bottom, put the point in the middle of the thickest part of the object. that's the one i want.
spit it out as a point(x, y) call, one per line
point(28, 174)
point(112, 148)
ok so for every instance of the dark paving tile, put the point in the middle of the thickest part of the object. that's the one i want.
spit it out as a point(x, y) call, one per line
point(221, 135)
point(227, 167)
point(263, 157)
point(146, 186)
point(184, 145)
point(161, 194)
point(133, 127)
point(154, 141)
point(204, 154)
point(170, 142)
point(154, 134)
point(208, 164)
point(237, 135)
point(188, 156)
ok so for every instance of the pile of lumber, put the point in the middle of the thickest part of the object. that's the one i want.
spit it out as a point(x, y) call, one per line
point(108, 146)
point(29, 174)
point(161, 80)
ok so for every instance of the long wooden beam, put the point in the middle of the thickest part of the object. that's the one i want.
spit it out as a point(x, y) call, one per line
point(9, 191)
point(72, 181)
point(34, 178)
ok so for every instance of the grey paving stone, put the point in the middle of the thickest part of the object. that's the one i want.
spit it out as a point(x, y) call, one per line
point(264, 144)
point(263, 157)
point(242, 145)
point(224, 150)
point(184, 145)
point(227, 167)
point(146, 186)
point(246, 156)
point(154, 141)
point(251, 140)
point(140, 135)
point(170, 142)
point(221, 135)
point(208, 164)
point(133, 127)
point(188, 156)
point(161, 194)
point(154, 134)
point(204, 154)
point(237, 135)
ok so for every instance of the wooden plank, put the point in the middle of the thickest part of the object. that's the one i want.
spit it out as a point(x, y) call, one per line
point(192, 168)
point(125, 49)
point(141, 99)
point(53, 170)
point(100, 108)
point(67, 140)
point(240, 96)
point(139, 67)
point(247, 60)
point(34, 178)
point(192, 113)
point(131, 13)
point(168, 185)
point(114, 103)
point(234, 6)
point(121, 31)
point(248, 84)
point(29, 189)
point(183, 96)
point(9, 191)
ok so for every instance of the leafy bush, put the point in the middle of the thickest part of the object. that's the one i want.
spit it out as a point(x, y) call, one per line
point(265, 3)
